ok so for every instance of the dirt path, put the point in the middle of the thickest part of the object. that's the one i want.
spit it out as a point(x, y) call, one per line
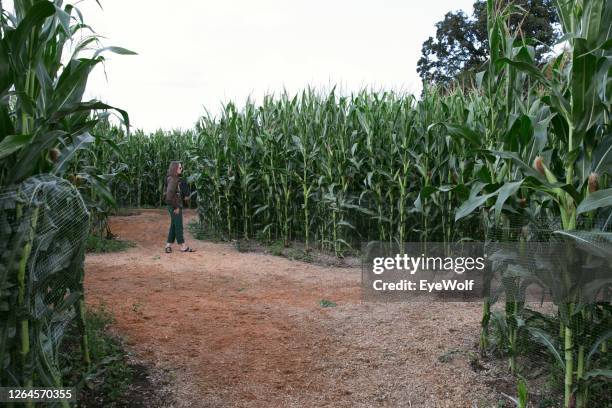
point(246, 329)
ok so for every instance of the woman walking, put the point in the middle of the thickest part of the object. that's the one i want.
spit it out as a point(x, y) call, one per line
point(174, 199)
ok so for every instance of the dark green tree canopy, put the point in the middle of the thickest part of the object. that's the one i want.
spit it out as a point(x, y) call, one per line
point(461, 41)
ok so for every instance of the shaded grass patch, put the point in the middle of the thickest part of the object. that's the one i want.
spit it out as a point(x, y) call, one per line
point(99, 245)
point(115, 378)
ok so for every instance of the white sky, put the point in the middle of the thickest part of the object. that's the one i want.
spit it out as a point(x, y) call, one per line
point(194, 54)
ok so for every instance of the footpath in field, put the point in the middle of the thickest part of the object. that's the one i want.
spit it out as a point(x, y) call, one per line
point(248, 329)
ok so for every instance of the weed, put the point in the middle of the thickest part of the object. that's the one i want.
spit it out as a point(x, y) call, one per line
point(96, 244)
point(326, 303)
point(203, 234)
point(137, 308)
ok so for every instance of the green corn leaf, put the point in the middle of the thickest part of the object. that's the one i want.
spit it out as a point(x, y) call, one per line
point(12, 143)
point(525, 168)
point(507, 190)
point(598, 199)
point(545, 339)
point(470, 205)
point(67, 154)
point(114, 49)
point(527, 67)
point(602, 157)
point(595, 347)
point(597, 373)
point(35, 17)
point(461, 132)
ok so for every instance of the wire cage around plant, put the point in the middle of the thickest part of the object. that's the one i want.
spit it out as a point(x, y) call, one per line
point(43, 229)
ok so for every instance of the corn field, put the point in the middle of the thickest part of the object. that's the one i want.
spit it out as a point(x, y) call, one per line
point(528, 141)
point(136, 163)
point(526, 145)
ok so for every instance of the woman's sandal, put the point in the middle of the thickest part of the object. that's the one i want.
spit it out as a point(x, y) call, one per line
point(188, 250)
point(168, 250)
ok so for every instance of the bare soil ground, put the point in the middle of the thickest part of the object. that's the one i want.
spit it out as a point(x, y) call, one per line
point(247, 329)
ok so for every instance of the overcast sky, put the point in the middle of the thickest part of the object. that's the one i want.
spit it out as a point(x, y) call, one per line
point(194, 54)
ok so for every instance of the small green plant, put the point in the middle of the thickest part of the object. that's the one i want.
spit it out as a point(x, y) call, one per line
point(276, 248)
point(449, 355)
point(326, 303)
point(137, 308)
point(298, 255)
point(204, 234)
point(523, 397)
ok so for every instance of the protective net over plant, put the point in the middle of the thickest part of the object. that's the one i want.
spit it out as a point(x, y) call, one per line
point(43, 229)
point(549, 313)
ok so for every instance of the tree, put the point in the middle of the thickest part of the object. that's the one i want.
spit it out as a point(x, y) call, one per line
point(461, 44)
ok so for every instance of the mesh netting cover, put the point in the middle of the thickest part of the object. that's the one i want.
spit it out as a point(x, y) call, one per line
point(572, 287)
point(43, 229)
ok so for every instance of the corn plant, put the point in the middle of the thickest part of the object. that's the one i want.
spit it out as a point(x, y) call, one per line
point(44, 126)
point(569, 98)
